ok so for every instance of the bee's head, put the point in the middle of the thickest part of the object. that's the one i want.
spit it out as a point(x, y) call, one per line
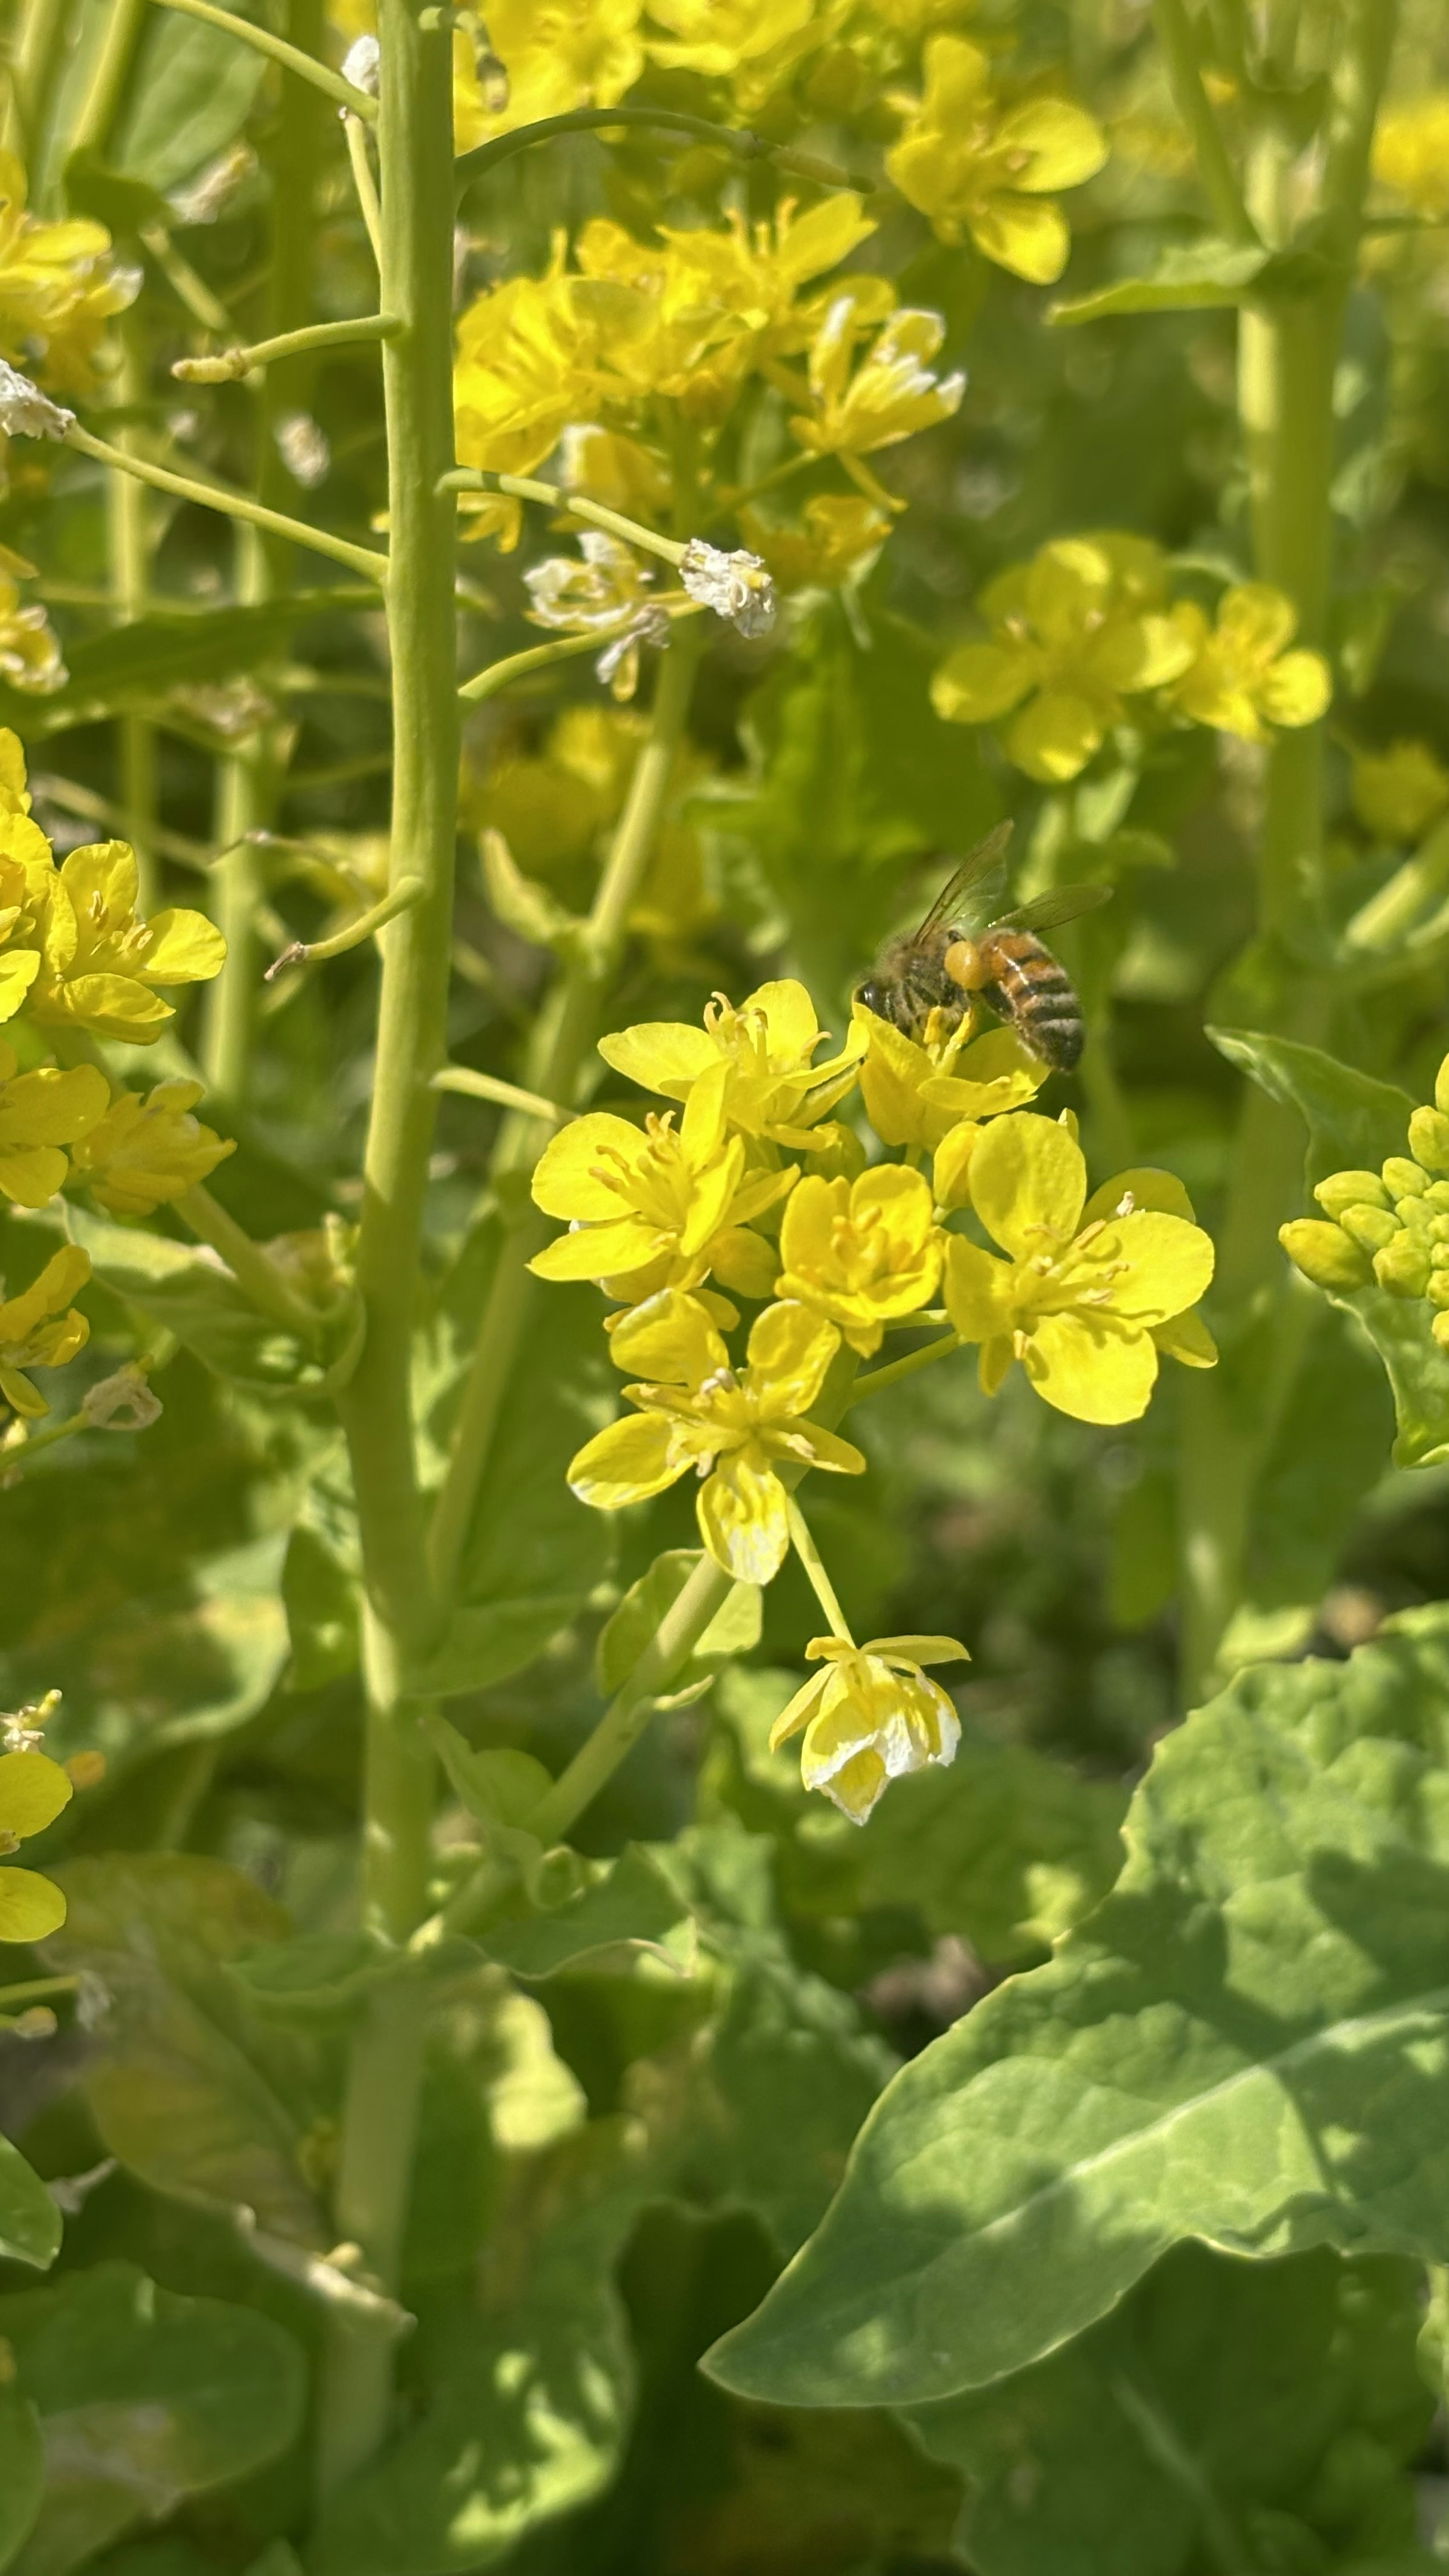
point(875, 997)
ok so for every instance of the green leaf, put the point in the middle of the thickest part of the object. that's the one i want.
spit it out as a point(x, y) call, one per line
point(1327, 1453)
point(1248, 2042)
point(30, 2228)
point(500, 1786)
point(22, 2470)
point(484, 1645)
point(188, 1288)
point(190, 2090)
point(734, 1629)
point(1228, 2416)
point(633, 1908)
point(324, 1612)
point(194, 87)
point(143, 2399)
point(133, 665)
point(1400, 1329)
point(1205, 275)
point(1354, 1121)
point(108, 197)
point(316, 1978)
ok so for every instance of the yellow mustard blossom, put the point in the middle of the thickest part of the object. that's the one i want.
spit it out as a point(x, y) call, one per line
point(842, 535)
point(861, 1252)
point(1411, 152)
point(732, 1428)
point(40, 1113)
point(33, 1792)
point(29, 653)
point(889, 395)
point(59, 287)
point(758, 271)
point(41, 1329)
point(14, 795)
point(27, 875)
point(1398, 793)
point(723, 36)
point(974, 165)
point(523, 372)
point(1088, 1285)
point(1242, 679)
point(1075, 632)
point(143, 1154)
point(775, 1090)
point(871, 1717)
point(658, 1208)
point(918, 1092)
point(1389, 1227)
point(101, 967)
point(557, 55)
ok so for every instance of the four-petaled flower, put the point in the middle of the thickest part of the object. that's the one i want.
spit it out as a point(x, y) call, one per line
point(974, 166)
point(658, 1207)
point(888, 396)
point(735, 1428)
point(1398, 793)
point(861, 1252)
point(775, 1091)
point(870, 1717)
point(917, 1090)
point(33, 1791)
point(1242, 679)
point(101, 966)
point(1092, 1289)
point(145, 1153)
point(40, 1113)
point(41, 1329)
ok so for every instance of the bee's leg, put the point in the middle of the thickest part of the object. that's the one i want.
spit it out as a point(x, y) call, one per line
point(965, 965)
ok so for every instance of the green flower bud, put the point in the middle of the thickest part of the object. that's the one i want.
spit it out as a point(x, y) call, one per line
point(1429, 1139)
point(1350, 1189)
point(1403, 1179)
point(1324, 1253)
point(1373, 1227)
point(1439, 1256)
point(1403, 1266)
point(1440, 1331)
point(1438, 1290)
point(1418, 1217)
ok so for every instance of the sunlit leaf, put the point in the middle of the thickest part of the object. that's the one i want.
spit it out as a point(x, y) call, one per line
point(29, 2218)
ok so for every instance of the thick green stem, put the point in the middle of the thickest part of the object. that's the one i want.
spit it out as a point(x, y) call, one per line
point(415, 149)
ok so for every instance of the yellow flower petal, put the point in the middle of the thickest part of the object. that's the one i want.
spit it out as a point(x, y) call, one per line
point(1297, 690)
point(1144, 1187)
point(1065, 143)
point(1029, 1182)
point(669, 1338)
point(1087, 1366)
point(634, 1458)
point(744, 1518)
point(31, 1907)
point(183, 948)
point(597, 1252)
point(979, 682)
point(18, 970)
point(1186, 1338)
point(978, 1292)
point(571, 1177)
point(798, 1712)
point(951, 1168)
point(1054, 738)
point(1028, 235)
point(790, 1350)
point(31, 1174)
point(1163, 1265)
point(33, 1792)
point(660, 1055)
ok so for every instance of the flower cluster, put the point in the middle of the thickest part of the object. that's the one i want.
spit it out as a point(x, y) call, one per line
point(752, 1187)
point(982, 168)
point(1089, 624)
point(1390, 1226)
point(1411, 153)
point(59, 287)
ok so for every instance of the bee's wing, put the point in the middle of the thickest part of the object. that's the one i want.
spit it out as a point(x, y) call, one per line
point(981, 876)
point(1049, 911)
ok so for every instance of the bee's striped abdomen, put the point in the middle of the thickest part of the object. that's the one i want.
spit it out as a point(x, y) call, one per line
point(1034, 993)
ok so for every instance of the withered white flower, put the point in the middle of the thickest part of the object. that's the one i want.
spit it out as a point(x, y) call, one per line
point(304, 448)
point(361, 64)
point(25, 412)
point(736, 586)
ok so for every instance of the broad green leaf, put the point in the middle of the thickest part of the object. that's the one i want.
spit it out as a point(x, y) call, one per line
point(315, 1978)
point(22, 2470)
point(484, 1644)
point(190, 2090)
point(188, 1288)
point(143, 2399)
point(1418, 1371)
point(1327, 1453)
point(1354, 1121)
point(734, 1630)
point(633, 1908)
point(323, 1606)
point(1228, 2415)
point(29, 2220)
point(173, 648)
point(192, 91)
point(1247, 2042)
point(500, 1786)
point(185, 1667)
point(1205, 275)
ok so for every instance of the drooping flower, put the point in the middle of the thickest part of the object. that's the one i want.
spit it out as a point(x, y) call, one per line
point(41, 1329)
point(1089, 1285)
point(860, 403)
point(734, 1428)
point(144, 1154)
point(1074, 633)
point(974, 165)
point(871, 1717)
point(917, 1091)
point(33, 1792)
point(40, 1113)
point(661, 1207)
point(775, 1090)
point(1242, 679)
point(102, 968)
point(1398, 793)
point(861, 1252)
point(842, 535)
point(59, 286)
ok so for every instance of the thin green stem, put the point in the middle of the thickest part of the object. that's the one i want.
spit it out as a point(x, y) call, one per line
point(233, 505)
point(542, 657)
point(37, 1987)
point(303, 952)
point(189, 289)
point(507, 1095)
point(228, 366)
point(359, 160)
point(895, 1370)
point(526, 487)
point(1215, 169)
point(129, 545)
point(629, 1712)
point(121, 29)
point(591, 120)
point(262, 41)
point(803, 1541)
point(253, 1270)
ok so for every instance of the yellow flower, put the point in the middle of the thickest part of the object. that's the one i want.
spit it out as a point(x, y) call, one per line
point(558, 54)
point(39, 1113)
point(916, 1094)
point(890, 395)
point(661, 1208)
point(974, 166)
point(27, 874)
point(144, 1153)
point(870, 1717)
point(775, 1090)
point(33, 1792)
point(1411, 152)
point(29, 653)
point(1242, 679)
point(101, 966)
point(1398, 793)
point(731, 1428)
point(625, 475)
point(1088, 1284)
point(40, 1329)
point(757, 271)
point(841, 538)
point(58, 288)
point(861, 1251)
point(1074, 632)
point(719, 36)
point(524, 369)
point(14, 796)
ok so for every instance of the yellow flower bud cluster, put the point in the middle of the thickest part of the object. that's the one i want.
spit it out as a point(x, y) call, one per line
point(1389, 1227)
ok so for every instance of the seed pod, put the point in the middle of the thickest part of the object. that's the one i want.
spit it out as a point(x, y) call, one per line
point(1325, 1254)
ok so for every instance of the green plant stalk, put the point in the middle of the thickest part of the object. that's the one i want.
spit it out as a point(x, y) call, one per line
point(803, 1540)
point(1288, 355)
point(567, 1028)
point(1184, 74)
point(38, 57)
point(380, 2117)
point(102, 102)
point(255, 1273)
point(891, 1375)
point(233, 505)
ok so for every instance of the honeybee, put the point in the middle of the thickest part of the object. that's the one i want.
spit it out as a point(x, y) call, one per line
point(961, 952)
